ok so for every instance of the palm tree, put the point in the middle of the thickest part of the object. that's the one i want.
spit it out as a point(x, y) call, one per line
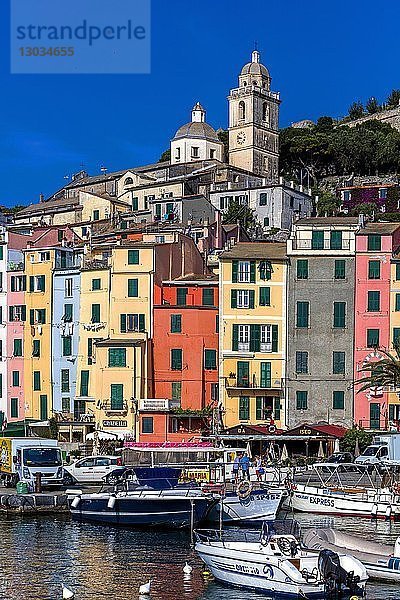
point(383, 373)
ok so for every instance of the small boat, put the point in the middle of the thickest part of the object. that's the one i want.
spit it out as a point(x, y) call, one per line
point(277, 563)
point(381, 561)
point(247, 503)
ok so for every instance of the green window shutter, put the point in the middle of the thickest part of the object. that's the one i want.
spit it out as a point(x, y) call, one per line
point(176, 390)
point(181, 294)
point(340, 269)
point(259, 411)
point(252, 271)
point(235, 269)
point(263, 199)
point(274, 338)
point(117, 396)
point(42, 316)
point(142, 326)
point(210, 359)
point(84, 383)
point(36, 381)
point(31, 283)
point(176, 359)
point(233, 298)
point(11, 313)
point(65, 380)
point(265, 375)
point(235, 337)
point(23, 312)
point(96, 215)
point(208, 297)
point(133, 257)
point(123, 323)
point(396, 336)
point(302, 269)
point(265, 296)
point(374, 242)
point(15, 378)
point(43, 408)
point(117, 357)
point(302, 314)
point(243, 373)
point(12, 283)
point(176, 323)
point(32, 316)
point(135, 203)
point(374, 269)
point(317, 242)
point(17, 347)
point(301, 362)
point(251, 298)
point(339, 314)
point(36, 348)
point(14, 405)
point(373, 303)
point(1, 252)
point(391, 412)
point(338, 400)
point(255, 338)
point(372, 338)
point(41, 283)
point(336, 240)
point(301, 400)
point(95, 313)
point(397, 271)
point(339, 364)
point(244, 408)
point(68, 308)
point(67, 345)
point(277, 408)
point(132, 288)
point(96, 284)
point(397, 303)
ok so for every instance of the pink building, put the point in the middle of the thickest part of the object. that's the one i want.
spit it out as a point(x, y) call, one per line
point(375, 245)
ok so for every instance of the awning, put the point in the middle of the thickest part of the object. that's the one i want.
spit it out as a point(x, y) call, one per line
point(104, 435)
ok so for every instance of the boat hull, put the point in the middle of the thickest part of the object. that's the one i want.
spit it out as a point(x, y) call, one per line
point(260, 505)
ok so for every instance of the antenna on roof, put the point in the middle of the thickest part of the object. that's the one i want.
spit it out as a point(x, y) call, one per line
point(103, 169)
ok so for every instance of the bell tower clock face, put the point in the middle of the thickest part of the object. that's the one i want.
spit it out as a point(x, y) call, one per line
point(241, 137)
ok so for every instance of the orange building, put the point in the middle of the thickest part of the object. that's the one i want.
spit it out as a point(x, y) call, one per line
point(185, 361)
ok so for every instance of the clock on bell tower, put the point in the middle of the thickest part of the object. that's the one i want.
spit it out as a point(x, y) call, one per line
point(253, 121)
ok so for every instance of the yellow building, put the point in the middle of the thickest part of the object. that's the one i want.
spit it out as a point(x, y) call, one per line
point(253, 333)
point(393, 398)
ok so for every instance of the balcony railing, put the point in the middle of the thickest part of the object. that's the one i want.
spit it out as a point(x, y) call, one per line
point(114, 406)
point(253, 383)
point(95, 263)
point(15, 266)
point(157, 404)
point(299, 244)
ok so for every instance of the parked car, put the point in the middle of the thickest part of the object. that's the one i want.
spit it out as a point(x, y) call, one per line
point(92, 469)
point(338, 458)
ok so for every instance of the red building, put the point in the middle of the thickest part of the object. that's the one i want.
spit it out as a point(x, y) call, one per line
point(185, 361)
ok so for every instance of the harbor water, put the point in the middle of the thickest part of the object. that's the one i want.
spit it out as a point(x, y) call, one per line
point(40, 553)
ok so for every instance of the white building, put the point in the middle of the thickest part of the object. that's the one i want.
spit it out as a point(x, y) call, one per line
point(196, 140)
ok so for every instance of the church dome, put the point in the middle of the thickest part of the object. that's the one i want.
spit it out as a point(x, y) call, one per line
point(195, 129)
point(255, 67)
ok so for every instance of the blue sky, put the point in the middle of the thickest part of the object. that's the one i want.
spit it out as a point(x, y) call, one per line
point(321, 57)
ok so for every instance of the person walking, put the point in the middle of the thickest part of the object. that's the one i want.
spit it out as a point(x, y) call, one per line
point(245, 466)
point(236, 465)
point(259, 468)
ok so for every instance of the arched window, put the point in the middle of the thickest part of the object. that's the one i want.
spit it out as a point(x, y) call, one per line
point(265, 112)
point(128, 181)
point(242, 111)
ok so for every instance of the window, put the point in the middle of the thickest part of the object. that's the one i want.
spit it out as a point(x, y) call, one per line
point(340, 269)
point(67, 345)
point(339, 363)
point(36, 348)
point(243, 338)
point(301, 400)
point(263, 199)
point(372, 338)
point(317, 240)
point(181, 294)
point(244, 408)
point(301, 362)
point(176, 359)
point(176, 323)
point(117, 357)
point(68, 288)
point(17, 313)
point(242, 111)
point(18, 282)
point(302, 269)
point(243, 373)
point(195, 152)
point(374, 269)
point(15, 378)
point(117, 396)
point(266, 221)
point(36, 381)
point(84, 383)
point(176, 390)
point(90, 350)
point(339, 314)
point(374, 301)
point(265, 296)
point(266, 270)
point(133, 288)
point(397, 271)
point(302, 314)
point(396, 336)
point(374, 242)
point(44, 256)
point(216, 323)
point(132, 322)
point(65, 405)
point(17, 350)
point(14, 408)
point(147, 425)
point(336, 240)
point(397, 303)
point(242, 298)
point(65, 385)
point(96, 215)
point(95, 313)
point(210, 359)
point(135, 203)
point(96, 284)
point(68, 313)
point(267, 338)
point(133, 257)
point(265, 375)
point(338, 400)
point(208, 297)
point(37, 283)
point(382, 193)
point(37, 316)
point(244, 271)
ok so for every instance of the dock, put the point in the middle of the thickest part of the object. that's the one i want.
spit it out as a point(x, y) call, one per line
point(12, 503)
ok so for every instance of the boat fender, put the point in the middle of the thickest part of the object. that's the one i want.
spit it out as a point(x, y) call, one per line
point(75, 502)
point(111, 502)
point(243, 490)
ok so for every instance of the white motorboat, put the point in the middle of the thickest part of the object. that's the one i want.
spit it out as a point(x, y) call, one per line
point(346, 490)
point(381, 561)
point(277, 563)
point(248, 503)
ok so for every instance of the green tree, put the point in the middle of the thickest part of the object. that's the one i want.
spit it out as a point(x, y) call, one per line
point(327, 203)
point(393, 99)
point(223, 136)
point(372, 105)
point(348, 443)
point(242, 214)
point(165, 156)
point(382, 373)
point(365, 208)
point(325, 124)
point(356, 110)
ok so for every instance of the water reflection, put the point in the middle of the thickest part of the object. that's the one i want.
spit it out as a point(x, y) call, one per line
point(38, 554)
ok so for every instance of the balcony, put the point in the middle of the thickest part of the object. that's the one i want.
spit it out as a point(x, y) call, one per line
point(254, 383)
point(15, 266)
point(114, 407)
point(157, 404)
point(95, 264)
point(300, 244)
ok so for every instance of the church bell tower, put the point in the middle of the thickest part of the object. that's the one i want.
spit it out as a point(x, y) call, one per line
point(254, 122)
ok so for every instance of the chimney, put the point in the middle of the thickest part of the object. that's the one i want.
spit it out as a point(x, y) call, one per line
point(41, 197)
point(361, 221)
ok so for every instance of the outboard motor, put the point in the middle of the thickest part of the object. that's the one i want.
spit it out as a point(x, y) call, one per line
point(334, 575)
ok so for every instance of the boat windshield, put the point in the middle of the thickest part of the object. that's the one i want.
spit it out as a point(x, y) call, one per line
point(279, 527)
point(42, 457)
